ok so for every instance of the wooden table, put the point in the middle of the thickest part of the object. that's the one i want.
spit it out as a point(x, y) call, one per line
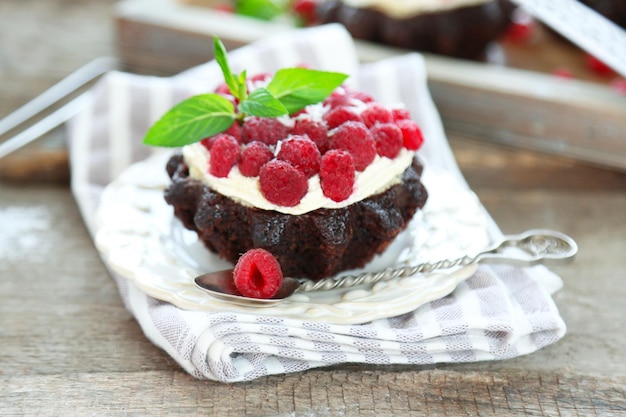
point(69, 347)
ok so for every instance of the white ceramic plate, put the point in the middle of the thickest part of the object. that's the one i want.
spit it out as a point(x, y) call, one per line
point(141, 240)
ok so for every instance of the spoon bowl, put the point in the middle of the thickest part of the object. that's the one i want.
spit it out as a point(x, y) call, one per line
point(220, 285)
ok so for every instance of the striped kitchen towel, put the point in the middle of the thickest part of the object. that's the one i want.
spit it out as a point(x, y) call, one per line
point(498, 313)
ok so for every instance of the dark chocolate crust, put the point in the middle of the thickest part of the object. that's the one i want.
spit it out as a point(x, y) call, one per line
point(314, 245)
point(463, 32)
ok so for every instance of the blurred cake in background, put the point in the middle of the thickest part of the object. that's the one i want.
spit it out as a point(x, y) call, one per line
point(458, 28)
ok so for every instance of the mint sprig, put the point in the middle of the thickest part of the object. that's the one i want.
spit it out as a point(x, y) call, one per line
point(198, 117)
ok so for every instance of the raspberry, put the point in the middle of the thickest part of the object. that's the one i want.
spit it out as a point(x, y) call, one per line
point(282, 184)
point(235, 131)
point(253, 82)
point(597, 66)
point(343, 96)
point(224, 154)
point(339, 97)
point(400, 114)
point(339, 116)
point(305, 10)
point(263, 76)
point(223, 89)
point(337, 174)
point(316, 131)
point(376, 113)
point(356, 139)
point(301, 152)
point(208, 142)
point(411, 134)
point(266, 130)
point(522, 28)
point(254, 156)
point(388, 138)
point(257, 274)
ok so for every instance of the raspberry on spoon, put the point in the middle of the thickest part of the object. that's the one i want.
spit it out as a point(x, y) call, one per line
point(257, 274)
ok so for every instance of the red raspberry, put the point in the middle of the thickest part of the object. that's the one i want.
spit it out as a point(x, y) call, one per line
point(252, 81)
point(208, 142)
point(264, 129)
point(258, 274)
point(356, 139)
point(224, 154)
point(520, 32)
point(316, 131)
point(259, 77)
point(522, 28)
point(254, 156)
point(223, 89)
point(376, 113)
point(305, 9)
point(400, 114)
point(597, 66)
point(411, 134)
point(339, 116)
point(235, 131)
point(337, 174)
point(282, 184)
point(302, 153)
point(388, 138)
point(363, 96)
point(339, 97)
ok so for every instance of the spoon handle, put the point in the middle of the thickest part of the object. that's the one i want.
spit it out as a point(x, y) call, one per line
point(529, 248)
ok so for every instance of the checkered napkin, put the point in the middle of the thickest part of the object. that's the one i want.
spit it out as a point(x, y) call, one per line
point(500, 312)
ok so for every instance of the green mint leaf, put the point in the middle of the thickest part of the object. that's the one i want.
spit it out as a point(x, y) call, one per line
point(261, 9)
point(263, 104)
point(296, 88)
point(191, 121)
point(236, 84)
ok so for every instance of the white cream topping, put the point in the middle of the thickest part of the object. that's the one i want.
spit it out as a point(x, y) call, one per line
point(407, 8)
point(377, 177)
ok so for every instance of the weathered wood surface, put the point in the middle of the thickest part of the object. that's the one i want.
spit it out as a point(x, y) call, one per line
point(69, 347)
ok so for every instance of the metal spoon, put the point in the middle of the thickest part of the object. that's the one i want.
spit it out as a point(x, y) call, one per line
point(534, 247)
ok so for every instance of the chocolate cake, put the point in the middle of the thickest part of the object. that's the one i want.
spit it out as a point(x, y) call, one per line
point(314, 245)
point(294, 168)
point(462, 31)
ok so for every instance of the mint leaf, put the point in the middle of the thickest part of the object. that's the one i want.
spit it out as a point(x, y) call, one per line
point(262, 9)
point(296, 88)
point(263, 104)
point(236, 84)
point(191, 121)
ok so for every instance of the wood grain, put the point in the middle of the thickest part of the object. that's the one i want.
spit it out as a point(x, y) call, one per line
point(70, 348)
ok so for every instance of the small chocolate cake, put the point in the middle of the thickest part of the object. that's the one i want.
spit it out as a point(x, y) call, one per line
point(313, 245)
point(462, 32)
